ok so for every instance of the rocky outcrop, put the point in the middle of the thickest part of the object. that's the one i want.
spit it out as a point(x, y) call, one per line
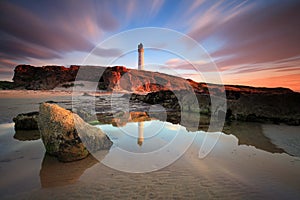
point(254, 107)
point(66, 136)
point(244, 102)
point(179, 100)
point(6, 85)
point(43, 78)
point(122, 78)
point(274, 108)
point(26, 121)
point(26, 126)
point(113, 78)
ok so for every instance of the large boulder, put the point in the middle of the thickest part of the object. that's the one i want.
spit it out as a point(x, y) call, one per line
point(66, 136)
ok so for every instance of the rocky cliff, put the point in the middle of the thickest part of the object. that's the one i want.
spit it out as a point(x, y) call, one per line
point(113, 78)
point(243, 102)
point(121, 78)
point(42, 78)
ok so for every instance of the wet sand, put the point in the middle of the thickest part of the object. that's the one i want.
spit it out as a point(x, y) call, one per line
point(231, 171)
point(286, 137)
point(14, 102)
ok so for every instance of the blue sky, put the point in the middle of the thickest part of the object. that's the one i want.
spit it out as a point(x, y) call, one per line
point(252, 42)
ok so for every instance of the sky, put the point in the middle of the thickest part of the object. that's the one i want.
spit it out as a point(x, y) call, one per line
point(252, 42)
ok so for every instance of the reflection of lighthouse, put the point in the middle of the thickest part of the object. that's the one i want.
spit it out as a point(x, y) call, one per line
point(141, 133)
point(141, 56)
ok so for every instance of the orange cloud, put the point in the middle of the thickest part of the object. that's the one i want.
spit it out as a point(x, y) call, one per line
point(289, 81)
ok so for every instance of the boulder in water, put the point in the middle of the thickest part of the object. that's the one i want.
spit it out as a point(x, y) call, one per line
point(26, 121)
point(65, 134)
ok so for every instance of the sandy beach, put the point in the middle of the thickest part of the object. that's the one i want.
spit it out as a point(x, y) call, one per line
point(14, 102)
point(286, 137)
point(230, 171)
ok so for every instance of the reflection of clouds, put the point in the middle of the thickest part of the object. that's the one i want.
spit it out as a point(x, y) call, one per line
point(172, 126)
point(156, 152)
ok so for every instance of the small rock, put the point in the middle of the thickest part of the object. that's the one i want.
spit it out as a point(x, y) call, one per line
point(26, 121)
point(27, 135)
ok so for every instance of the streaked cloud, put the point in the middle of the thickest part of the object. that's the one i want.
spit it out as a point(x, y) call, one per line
point(209, 21)
point(257, 38)
point(199, 65)
point(262, 34)
point(102, 52)
point(28, 27)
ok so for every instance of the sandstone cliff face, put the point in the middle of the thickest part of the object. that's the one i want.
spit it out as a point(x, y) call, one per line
point(120, 78)
point(113, 78)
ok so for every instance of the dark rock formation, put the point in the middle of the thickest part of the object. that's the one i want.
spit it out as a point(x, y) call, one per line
point(178, 100)
point(6, 85)
point(254, 107)
point(26, 126)
point(43, 78)
point(27, 135)
point(66, 136)
point(26, 121)
point(274, 108)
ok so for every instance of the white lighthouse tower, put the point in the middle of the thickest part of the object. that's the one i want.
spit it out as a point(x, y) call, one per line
point(141, 57)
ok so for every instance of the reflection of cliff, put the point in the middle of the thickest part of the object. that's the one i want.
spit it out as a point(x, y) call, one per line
point(251, 134)
point(247, 133)
point(122, 118)
point(25, 135)
point(187, 119)
point(54, 173)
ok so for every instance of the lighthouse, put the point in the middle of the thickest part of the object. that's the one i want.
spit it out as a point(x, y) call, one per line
point(141, 57)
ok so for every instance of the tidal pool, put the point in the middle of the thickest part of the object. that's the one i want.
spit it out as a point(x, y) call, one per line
point(231, 170)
